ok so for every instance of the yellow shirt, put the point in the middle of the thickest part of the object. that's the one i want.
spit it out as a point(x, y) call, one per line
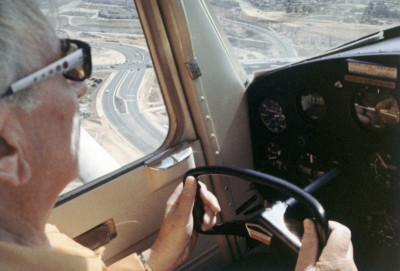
point(66, 255)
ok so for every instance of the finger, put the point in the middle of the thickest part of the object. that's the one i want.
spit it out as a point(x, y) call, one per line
point(188, 249)
point(193, 240)
point(209, 219)
point(173, 200)
point(186, 198)
point(308, 253)
point(350, 252)
point(209, 199)
point(339, 240)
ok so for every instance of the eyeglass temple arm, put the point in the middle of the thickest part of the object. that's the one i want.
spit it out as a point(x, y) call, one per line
point(73, 60)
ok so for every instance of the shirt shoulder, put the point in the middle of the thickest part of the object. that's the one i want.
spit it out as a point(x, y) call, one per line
point(64, 244)
point(15, 257)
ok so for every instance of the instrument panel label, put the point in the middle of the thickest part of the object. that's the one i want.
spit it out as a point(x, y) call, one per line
point(257, 232)
point(369, 81)
point(372, 70)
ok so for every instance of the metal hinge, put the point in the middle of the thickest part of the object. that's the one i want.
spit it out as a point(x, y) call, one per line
point(194, 68)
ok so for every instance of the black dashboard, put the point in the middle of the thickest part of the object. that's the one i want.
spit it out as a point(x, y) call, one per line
point(341, 110)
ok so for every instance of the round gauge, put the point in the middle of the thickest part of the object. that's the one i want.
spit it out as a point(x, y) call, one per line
point(275, 157)
point(376, 108)
point(310, 167)
point(313, 105)
point(272, 116)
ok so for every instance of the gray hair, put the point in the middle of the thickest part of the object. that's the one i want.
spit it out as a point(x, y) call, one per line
point(23, 28)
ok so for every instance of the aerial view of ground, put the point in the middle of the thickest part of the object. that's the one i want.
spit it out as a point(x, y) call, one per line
point(81, 21)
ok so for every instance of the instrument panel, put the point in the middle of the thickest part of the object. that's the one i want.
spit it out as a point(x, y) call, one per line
point(338, 111)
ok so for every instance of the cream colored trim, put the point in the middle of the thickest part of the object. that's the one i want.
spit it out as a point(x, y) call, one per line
point(181, 44)
point(167, 74)
point(222, 130)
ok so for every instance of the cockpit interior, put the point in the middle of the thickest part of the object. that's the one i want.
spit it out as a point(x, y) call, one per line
point(326, 121)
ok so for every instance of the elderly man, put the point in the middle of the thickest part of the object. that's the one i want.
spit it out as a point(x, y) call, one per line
point(41, 82)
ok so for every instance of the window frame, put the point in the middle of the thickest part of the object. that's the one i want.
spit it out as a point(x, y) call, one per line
point(180, 124)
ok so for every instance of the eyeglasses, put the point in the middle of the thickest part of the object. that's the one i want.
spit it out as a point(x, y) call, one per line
point(76, 66)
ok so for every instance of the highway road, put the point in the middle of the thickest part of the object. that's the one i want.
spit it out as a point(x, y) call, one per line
point(120, 99)
point(286, 52)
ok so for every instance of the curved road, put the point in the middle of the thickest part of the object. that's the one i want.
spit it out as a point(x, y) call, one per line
point(120, 100)
point(284, 47)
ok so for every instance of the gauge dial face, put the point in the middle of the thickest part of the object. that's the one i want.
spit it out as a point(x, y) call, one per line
point(275, 157)
point(376, 108)
point(272, 116)
point(313, 105)
point(310, 167)
point(384, 169)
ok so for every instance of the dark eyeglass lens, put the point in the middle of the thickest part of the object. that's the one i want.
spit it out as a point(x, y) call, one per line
point(78, 73)
point(82, 71)
point(72, 48)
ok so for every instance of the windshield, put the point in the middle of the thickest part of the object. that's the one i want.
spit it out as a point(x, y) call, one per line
point(266, 34)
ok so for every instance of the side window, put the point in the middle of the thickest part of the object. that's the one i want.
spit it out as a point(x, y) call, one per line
point(122, 114)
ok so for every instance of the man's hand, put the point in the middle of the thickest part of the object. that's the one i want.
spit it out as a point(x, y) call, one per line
point(176, 238)
point(336, 255)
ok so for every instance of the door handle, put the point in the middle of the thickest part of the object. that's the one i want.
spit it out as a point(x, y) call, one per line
point(170, 157)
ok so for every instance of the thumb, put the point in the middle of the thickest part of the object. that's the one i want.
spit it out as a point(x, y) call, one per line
point(187, 197)
point(308, 253)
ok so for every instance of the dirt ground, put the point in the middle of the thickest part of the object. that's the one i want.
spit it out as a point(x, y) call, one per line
point(316, 26)
point(103, 56)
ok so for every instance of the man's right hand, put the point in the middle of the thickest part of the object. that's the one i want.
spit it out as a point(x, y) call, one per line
point(336, 255)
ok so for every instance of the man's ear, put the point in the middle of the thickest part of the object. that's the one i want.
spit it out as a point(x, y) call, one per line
point(14, 168)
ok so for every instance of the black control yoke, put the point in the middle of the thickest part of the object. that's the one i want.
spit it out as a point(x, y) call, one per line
point(263, 224)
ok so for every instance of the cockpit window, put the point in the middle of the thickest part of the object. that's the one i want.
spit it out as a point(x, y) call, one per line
point(122, 114)
point(266, 34)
